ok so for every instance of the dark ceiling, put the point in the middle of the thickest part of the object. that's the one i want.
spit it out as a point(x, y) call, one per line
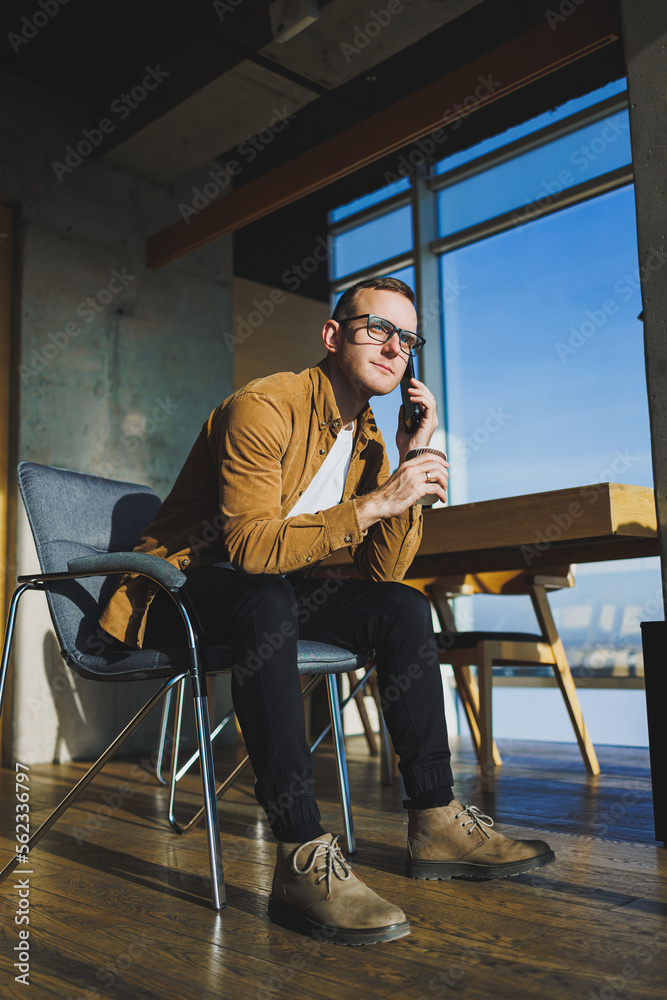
point(89, 51)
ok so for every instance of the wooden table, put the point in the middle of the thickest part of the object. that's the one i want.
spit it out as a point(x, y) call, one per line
point(535, 533)
point(581, 524)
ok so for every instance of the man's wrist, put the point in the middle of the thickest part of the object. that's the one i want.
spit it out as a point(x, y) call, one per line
point(368, 510)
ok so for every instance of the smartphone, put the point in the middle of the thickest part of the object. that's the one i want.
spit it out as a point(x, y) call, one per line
point(411, 412)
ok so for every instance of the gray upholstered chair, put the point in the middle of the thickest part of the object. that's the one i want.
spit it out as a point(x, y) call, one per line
point(84, 529)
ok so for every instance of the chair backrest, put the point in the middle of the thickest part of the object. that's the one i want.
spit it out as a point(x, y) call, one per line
point(73, 514)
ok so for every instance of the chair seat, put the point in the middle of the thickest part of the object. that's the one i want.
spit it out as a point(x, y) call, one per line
point(142, 664)
point(469, 640)
point(323, 658)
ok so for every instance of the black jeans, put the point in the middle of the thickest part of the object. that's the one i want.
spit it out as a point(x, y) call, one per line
point(261, 618)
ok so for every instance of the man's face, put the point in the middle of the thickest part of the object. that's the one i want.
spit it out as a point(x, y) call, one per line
point(371, 367)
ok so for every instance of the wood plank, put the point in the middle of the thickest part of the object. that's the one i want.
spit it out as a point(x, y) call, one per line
point(578, 524)
point(533, 519)
point(558, 931)
point(601, 550)
point(633, 510)
point(511, 66)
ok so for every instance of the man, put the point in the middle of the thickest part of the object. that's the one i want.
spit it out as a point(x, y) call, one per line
point(286, 471)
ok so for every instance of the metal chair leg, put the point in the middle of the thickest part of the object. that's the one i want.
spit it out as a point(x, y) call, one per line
point(335, 709)
point(9, 636)
point(341, 761)
point(327, 729)
point(92, 772)
point(164, 722)
point(231, 778)
point(178, 718)
point(208, 786)
point(176, 772)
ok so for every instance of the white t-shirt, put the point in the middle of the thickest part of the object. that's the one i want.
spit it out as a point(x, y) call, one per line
point(327, 485)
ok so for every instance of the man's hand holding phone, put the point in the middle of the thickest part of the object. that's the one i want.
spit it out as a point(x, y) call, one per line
point(425, 475)
point(418, 416)
point(416, 423)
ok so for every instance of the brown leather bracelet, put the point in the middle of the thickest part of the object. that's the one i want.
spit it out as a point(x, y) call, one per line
point(425, 451)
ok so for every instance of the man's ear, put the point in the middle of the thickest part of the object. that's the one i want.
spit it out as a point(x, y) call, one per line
point(331, 335)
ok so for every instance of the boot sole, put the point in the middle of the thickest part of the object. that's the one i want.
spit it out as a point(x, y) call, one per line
point(442, 870)
point(296, 920)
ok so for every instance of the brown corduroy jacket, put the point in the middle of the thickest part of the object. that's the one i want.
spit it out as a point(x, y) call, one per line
point(254, 457)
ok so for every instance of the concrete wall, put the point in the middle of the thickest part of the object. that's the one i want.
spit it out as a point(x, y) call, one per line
point(645, 38)
point(119, 368)
point(274, 331)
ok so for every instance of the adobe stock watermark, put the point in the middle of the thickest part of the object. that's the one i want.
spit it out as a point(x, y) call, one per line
point(112, 802)
point(223, 8)
point(618, 650)
point(464, 448)
point(452, 289)
point(299, 787)
point(292, 278)
point(451, 976)
point(641, 955)
point(306, 606)
point(565, 9)
point(581, 158)
point(364, 34)
point(108, 974)
point(651, 610)
point(618, 810)
point(30, 26)
point(248, 150)
point(595, 319)
point(269, 986)
point(22, 885)
point(561, 521)
point(122, 106)
point(409, 162)
point(246, 326)
point(87, 309)
point(140, 427)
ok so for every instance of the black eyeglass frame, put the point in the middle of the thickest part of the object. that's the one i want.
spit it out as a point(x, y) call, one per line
point(414, 351)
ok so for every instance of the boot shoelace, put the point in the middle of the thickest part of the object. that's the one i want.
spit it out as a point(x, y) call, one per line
point(476, 819)
point(334, 862)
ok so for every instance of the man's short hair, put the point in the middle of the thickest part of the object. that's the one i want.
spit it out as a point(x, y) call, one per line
point(346, 305)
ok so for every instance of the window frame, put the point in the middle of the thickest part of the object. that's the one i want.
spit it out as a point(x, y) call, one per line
point(428, 248)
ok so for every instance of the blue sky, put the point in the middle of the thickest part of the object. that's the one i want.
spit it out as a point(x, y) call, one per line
point(544, 359)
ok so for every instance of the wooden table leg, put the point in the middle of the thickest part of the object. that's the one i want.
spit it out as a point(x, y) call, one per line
point(485, 682)
point(564, 678)
point(363, 714)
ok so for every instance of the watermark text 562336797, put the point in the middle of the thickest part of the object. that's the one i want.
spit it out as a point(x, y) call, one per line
point(22, 884)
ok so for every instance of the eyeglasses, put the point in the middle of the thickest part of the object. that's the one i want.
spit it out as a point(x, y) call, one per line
point(382, 330)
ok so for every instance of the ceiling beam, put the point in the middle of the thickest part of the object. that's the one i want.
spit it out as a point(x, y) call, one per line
point(209, 49)
point(515, 64)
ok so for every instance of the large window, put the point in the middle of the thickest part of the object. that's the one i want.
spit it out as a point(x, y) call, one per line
point(534, 344)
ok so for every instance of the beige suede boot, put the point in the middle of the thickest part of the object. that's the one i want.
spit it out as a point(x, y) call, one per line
point(457, 841)
point(316, 892)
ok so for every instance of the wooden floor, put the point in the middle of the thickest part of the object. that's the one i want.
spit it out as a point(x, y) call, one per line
point(119, 904)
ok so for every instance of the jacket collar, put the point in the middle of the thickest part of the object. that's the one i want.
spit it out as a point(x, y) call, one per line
point(326, 407)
